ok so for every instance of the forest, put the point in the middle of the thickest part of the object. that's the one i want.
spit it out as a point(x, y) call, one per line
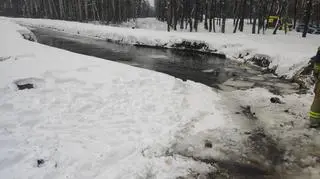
point(183, 14)
point(186, 14)
point(106, 11)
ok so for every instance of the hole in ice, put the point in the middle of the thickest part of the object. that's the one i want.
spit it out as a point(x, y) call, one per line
point(276, 100)
point(28, 83)
point(25, 86)
point(40, 163)
point(208, 144)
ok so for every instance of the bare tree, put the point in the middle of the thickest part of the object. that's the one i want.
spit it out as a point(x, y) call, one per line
point(307, 17)
point(295, 14)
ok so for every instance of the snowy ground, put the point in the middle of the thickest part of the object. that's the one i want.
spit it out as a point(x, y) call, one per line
point(288, 53)
point(91, 118)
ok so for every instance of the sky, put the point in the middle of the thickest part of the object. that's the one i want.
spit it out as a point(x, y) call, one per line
point(151, 2)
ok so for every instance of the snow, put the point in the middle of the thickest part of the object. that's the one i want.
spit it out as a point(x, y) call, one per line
point(288, 128)
point(91, 118)
point(294, 147)
point(289, 53)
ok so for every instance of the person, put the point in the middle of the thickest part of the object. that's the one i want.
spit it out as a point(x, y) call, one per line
point(315, 107)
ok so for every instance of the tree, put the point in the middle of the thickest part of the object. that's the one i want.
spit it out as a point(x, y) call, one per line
point(307, 17)
point(223, 7)
point(106, 11)
point(279, 14)
point(295, 14)
point(188, 13)
point(244, 5)
point(254, 16)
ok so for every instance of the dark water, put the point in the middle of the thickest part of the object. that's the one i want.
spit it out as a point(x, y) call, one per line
point(207, 69)
point(204, 68)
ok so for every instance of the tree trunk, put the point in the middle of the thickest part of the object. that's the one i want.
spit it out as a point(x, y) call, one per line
point(236, 26)
point(295, 14)
point(254, 15)
point(279, 19)
point(50, 9)
point(241, 25)
point(169, 15)
point(54, 9)
point(223, 27)
point(27, 8)
point(196, 16)
point(61, 9)
point(86, 9)
point(285, 19)
point(269, 13)
point(307, 18)
point(214, 15)
point(251, 11)
point(235, 10)
point(80, 10)
point(206, 16)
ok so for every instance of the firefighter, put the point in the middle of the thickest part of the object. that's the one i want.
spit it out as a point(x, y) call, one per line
point(315, 108)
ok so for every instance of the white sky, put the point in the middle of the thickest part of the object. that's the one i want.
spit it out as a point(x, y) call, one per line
point(151, 2)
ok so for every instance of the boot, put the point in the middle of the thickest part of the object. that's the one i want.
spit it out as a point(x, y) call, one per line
point(314, 123)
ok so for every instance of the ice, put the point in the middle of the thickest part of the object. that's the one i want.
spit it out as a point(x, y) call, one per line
point(208, 71)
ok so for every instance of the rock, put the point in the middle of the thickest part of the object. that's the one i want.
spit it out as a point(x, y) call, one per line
point(275, 91)
point(234, 75)
point(246, 110)
point(28, 35)
point(5, 58)
point(208, 144)
point(25, 86)
point(261, 60)
point(28, 83)
point(302, 91)
point(194, 45)
point(276, 100)
point(287, 110)
point(40, 163)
